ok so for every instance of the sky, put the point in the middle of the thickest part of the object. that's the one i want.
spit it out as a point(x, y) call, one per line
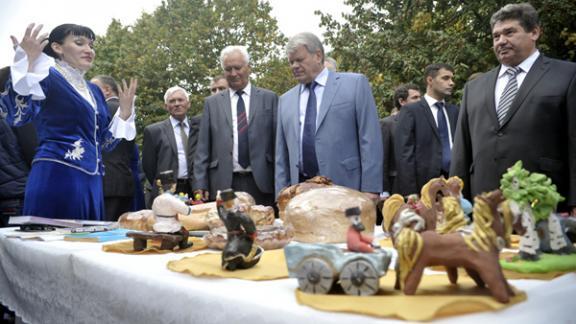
point(293, 16)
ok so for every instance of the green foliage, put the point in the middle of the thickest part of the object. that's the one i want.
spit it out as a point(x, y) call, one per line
point(180, 43)
point(392, 41)
point(534, 189)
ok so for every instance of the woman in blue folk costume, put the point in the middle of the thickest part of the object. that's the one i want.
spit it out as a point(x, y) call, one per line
point(47, 87)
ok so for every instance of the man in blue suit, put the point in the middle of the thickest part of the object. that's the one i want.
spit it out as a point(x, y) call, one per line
point(425, 131)
point(327, 124)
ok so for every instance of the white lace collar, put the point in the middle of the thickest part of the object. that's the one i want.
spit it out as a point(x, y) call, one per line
point(76, 78)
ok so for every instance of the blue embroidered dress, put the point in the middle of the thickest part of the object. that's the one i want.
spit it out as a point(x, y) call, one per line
point(72, 123)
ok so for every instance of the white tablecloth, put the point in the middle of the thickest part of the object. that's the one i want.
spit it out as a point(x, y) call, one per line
point(70, 282)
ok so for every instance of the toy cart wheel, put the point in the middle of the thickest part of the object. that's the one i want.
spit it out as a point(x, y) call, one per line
point(359, 278)
point(315, 276)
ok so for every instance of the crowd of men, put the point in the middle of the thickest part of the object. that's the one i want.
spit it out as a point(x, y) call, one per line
point(252, 140)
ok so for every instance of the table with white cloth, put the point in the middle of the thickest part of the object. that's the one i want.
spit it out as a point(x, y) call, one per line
point(76, 282)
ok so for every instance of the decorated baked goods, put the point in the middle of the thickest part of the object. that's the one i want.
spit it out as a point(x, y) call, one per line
point(290, 192)
point(269, 237)
point(318, 214)
point(141, 220)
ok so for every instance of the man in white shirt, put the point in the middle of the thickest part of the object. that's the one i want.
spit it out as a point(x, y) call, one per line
point(524, 109)
point(237, 135)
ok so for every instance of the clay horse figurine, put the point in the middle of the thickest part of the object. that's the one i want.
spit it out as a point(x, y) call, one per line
point(240, 251)
point(356, 241)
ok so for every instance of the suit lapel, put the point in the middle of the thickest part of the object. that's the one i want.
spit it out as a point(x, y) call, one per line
point(491, 78)
point(539, 68)
point(330, 92)
point(292, 111)
point(225, 103)
point(169, 133)
point(255, 105)
point(452, 118)
point(427, 112)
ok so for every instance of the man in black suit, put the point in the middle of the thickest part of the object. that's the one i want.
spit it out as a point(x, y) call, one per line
point(524, 109)
point(118, 180)
point(403, 95)
point(424, 133)
point(170, 144)
point(237, 135)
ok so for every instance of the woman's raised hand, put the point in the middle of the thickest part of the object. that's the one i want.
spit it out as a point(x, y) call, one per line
point(32, 43)
point(126, 95)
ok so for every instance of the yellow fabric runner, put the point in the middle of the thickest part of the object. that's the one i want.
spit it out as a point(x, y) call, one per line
point(435, 298)
point(153, 247)
point(272, 265)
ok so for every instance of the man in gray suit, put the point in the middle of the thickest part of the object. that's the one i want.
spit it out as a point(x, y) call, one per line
point(424, 133)
point(170, 144)
point(524, 109)
point(327, 125)
point(236, 141)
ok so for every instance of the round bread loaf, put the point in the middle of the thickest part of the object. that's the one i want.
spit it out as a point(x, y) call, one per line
point(318, 215)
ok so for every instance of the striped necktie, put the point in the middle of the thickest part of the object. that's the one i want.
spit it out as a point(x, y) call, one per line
point(508, 94)
point(242, 126)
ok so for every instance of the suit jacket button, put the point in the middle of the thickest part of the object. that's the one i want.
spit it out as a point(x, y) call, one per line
point(500, 134)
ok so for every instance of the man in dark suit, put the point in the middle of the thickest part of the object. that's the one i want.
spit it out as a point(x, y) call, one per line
point(524, 109)
point(403, 95)
point(423, 138)
point(118, 180)
point(170, 144)
point(237, 134)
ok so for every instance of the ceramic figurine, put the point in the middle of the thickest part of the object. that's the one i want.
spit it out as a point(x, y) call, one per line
point(167, 227)
point(356, 241)
point(477, 252)
point(533, 198)
point(240, 251)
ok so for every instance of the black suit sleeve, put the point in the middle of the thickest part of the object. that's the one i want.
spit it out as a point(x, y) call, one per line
point(405, 149)
point(149, 160)
point(386, 144)
point(461, 161)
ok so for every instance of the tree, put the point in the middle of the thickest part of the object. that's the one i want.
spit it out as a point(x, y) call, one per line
point(180, 43)
point(391, 41)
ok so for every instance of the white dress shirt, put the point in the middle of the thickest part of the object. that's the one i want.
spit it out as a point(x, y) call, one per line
point(234, 105)
point(182, 161)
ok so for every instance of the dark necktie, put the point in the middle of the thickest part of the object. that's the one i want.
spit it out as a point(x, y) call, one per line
point(184, 137)
point(508, 94)
point(242, 126)
point(309, 161)
point(444, 136)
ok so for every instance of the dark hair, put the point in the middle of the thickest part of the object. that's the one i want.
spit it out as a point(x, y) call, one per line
point(402, 91)
point(109, 81)
point(58, 34)
point(524, 13)
point(432, 70)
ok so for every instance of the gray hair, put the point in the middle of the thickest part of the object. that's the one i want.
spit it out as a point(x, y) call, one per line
point(234, 48)
point(173, 89)
point(524, 13)
point(310, 41)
